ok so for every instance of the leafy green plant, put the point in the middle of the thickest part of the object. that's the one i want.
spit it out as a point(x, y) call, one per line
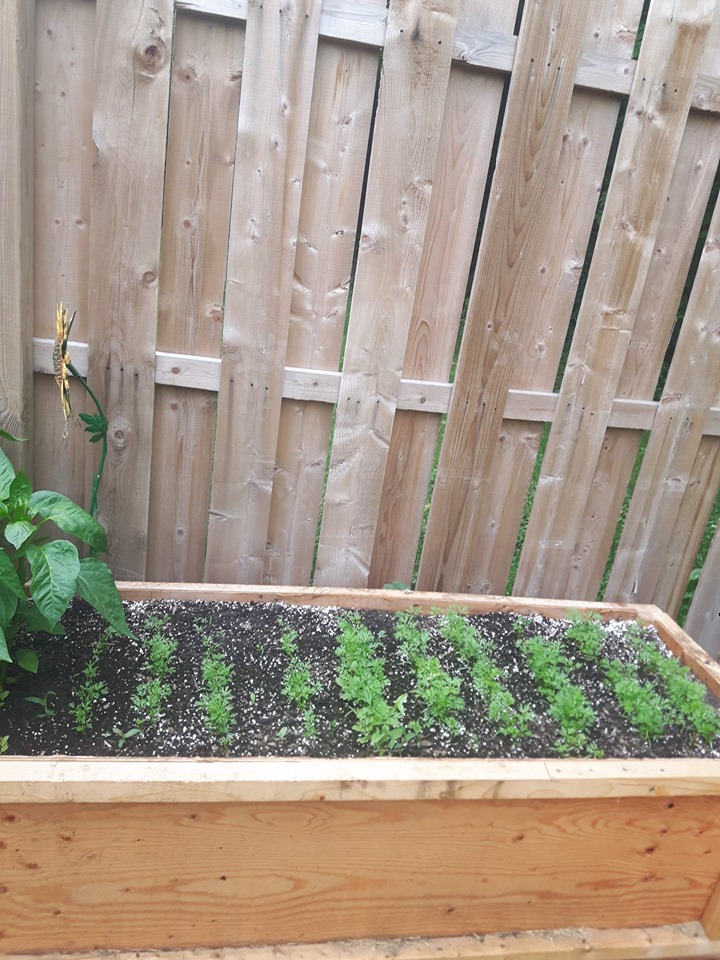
point(42, 702)
point(362, 681)
point(587, 633)
point(51, 569)
point(639, 701)
point(123, 737)
point(298, 684)
point(686, 695)
point(4, 743)
point(216, 700)
point(91, 689)
point(567, 704)
point(150, 694)
point(510, 719)
point(439, 691)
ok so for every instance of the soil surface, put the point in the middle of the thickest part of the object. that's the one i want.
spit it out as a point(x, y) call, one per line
point(267, 722)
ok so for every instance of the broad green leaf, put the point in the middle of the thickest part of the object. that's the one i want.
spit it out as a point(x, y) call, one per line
point(7, 475)
point(20, 531)
point(55, 567)
point(27, 659)
point(19, 493)
point(8, 436)
point(69, 517)
point(8, 605)
point(4, 652)
point(9, 577)
point(95, 584)
point(31, 618)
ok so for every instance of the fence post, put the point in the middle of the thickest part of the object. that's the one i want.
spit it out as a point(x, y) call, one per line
point(17, 19)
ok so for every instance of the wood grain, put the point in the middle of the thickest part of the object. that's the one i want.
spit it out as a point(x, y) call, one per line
point(647, 152)
point(703, 619)
point(680, 942)
point(132, 79)
point(413, 88)
point(667, 274)
point(343, 94)
point(204, 102)
point(690, 389)
point(513, 238)
point(466, 140)
point(65, 37)
point(112, 875)
point(278, 70)
point(17, 43)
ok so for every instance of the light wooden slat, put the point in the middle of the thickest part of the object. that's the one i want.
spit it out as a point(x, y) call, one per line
point(320, 870)
point(205, 97)
point(568, 223)
point(711, 914)
point(279, 65)
point(302, 780)
point(703, 619)
point(507, 279)
point(647, 152)
point(360, 20)
point(689, 527)
point(132, 79)
point(416, 67)
point(344, 91)
point(690, 389)
point(466, 140)
point(65, 37)
point(684, 209)
point(480, 46)
point(323, 386)
point(17, 43)
point(686, 941)
point(679, 226)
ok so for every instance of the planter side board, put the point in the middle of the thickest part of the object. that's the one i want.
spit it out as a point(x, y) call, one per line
point(179, 854)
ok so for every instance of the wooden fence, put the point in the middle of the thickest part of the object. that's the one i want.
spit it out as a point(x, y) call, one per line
point(192, 177)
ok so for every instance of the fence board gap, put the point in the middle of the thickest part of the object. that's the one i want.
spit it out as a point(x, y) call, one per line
point(507, 279)
point(132, 78)
point(64, 38)
point(343, 102)
point(17, 46)
point(467, 139)
point(416, 66)
point(669, 61)
point(279, 65)
point(202, 133)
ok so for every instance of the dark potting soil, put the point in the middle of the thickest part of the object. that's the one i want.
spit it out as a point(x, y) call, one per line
point(267, 723)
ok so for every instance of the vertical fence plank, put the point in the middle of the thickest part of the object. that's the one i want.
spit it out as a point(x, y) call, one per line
point(466, 141)
point(703, 619)
point(525, 177)
point(659, 102)
point(691, 388)
point(343, 96)
point(65, 32)
point(586, 143)
point(416, 67)
point(681, 219)
point(204, 102)
point(17, 41)
point(279, 65)
point(132, 76)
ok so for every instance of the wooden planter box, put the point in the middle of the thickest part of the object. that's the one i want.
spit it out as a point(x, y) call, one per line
point(148, 854)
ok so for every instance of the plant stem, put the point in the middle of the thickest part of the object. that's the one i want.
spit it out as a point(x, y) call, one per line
point(103, 453)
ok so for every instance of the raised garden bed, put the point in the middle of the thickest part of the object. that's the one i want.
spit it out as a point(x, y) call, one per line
point(129, 853)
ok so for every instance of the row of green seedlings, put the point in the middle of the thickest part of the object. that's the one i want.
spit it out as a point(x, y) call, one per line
point(298, 684)
point(215, 702)
point(380, 722)
point(669, 696)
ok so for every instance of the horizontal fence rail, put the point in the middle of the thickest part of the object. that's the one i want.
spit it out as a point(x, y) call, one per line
point(341, 269)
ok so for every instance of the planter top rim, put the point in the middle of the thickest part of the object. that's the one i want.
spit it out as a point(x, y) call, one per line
point(258, 780)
